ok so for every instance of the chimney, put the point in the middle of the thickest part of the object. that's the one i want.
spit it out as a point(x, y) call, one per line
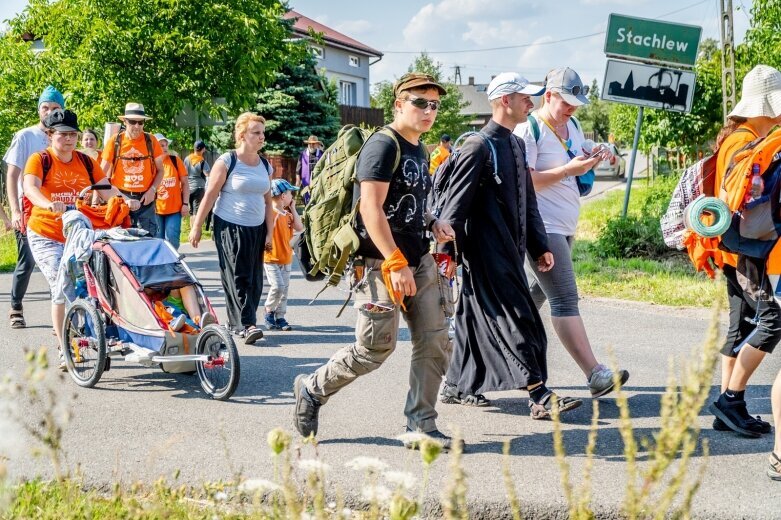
point(471, 80)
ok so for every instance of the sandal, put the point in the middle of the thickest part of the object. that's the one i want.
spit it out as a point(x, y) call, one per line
point(774, 471)
point(544, 409)
point(451, 395)
point(17, 319)
point(251, 334)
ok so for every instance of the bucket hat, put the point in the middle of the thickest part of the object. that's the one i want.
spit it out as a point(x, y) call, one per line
point(761, 95)
point(313, 140)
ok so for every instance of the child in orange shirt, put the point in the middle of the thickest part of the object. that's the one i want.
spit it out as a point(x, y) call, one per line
point(277, 262)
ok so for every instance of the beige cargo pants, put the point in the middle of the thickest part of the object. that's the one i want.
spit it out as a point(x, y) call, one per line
point(376, 333)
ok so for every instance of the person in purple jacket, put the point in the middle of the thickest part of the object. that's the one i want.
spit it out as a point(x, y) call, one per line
point(306, 163)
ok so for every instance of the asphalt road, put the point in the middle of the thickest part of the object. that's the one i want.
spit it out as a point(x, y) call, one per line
point(140, 424)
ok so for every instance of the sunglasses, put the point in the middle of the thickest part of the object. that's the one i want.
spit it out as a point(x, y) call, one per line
point(577, 89)
point(133, 122)
point(423, 103)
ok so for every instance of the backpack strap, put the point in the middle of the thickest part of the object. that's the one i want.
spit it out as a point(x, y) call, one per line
point(150, 150)
point(87, 162)
point(173, 161)
point(535, 126)
point(266, 164)
point(575, 122)
point(46, 164)
point(117, 144)
point(232, 160)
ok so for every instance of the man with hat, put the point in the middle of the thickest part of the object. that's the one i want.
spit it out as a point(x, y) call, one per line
point(500, 341)
point(25, 143)
point(396, 273)
point(171, 203)
point(133, 160)
point(198, 170)
point(440, 153)
point(306, 163)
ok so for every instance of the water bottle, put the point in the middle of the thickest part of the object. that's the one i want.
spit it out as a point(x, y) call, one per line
point(757, 184)
point(79, 280)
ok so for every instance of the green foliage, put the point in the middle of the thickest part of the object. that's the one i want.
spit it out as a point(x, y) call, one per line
point(7, 251)
point(449, 118)
point(300, 102)
point(595, 117)
point(164, 54)
point(762, 41)
point(687, 132)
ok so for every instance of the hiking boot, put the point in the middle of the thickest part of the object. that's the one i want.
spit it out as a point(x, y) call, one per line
point(270, 321)
point(721, 426)
point(601, 381)
point(447, 442)
point(307, 408)
point(282, 324)
point(735, 416)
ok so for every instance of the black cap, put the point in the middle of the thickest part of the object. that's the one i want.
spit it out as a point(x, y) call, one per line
point(199, 145)
point(62, 121)
point(445, 138)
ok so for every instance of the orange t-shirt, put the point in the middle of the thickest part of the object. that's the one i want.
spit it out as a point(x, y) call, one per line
point(169, 193)
point(732, 143)
point(281, 252)
point(134, 171)
point(63, 183)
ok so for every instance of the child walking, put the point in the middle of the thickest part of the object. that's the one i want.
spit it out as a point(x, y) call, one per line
point(277, 261)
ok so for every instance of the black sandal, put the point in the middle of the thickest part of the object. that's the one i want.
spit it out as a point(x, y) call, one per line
point(774, 471)
point(451, 395)
point(544, 409)
point(251, 334)
point(17, 319)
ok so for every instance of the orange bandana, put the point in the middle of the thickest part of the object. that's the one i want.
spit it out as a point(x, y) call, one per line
point(394, 262)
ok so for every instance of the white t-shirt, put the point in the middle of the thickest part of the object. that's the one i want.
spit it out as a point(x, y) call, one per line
point(25, 143)
point(559, 203)
point(241, 197)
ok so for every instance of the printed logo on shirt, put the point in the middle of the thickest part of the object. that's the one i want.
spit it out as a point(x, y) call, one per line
point(64, 186)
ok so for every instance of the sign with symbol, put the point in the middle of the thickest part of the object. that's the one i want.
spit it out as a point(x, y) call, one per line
point(652, 86)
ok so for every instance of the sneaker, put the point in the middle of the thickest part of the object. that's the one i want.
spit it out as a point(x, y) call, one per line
point(177, 323)
point(270, 321)
point(61, 366)
point(774, 471)
point(721, 426)
point(601, 381)
point(735, 416)
point(251, 334)
point(207, 318)
point(307, 408)
point(282, 324)
point(16, 319)
point(447, 442)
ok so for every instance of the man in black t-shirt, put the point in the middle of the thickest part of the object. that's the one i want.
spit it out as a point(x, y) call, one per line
point(398, 273)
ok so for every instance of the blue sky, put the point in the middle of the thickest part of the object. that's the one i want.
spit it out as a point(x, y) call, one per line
point(403, 28)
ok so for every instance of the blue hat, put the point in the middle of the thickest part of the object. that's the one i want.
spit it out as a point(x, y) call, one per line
point(280, 186)
point(51, 95)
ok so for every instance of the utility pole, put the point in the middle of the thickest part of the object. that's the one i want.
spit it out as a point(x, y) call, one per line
point(457, 75)
point(727, 58)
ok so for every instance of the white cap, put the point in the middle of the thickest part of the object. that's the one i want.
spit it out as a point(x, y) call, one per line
point(510, 83)
point(761, 94)
point(161, 137)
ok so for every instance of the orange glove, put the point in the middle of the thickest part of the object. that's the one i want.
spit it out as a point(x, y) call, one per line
point(394, 262)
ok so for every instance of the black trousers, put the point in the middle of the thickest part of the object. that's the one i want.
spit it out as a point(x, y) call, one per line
point(196, 196)
point(240, 252)
point(25, 263)
point(763, 335)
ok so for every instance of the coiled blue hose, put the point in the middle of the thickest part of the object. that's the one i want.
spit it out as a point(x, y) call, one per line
point(704, 206)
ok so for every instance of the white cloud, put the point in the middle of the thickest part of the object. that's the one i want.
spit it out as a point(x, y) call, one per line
point(355, 28)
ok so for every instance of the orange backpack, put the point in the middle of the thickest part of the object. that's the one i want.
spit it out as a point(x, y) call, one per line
point(762, 151)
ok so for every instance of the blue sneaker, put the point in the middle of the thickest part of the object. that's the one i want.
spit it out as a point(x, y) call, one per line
point(270, 322)
point(282, 324)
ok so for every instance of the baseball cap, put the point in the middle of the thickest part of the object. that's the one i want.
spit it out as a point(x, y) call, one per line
point(280, 186)
point(199, 145)
point(511, 83)
point(62, 121)
point(415, 80)
point(445, 138)
point(161, 137)
point(568, 85)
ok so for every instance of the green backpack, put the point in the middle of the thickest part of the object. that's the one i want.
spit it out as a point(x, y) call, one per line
point(329, 217)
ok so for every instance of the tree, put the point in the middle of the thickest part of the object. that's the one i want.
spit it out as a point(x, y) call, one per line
point(595, 117)
point(687, 132)
point(164, 54)
point(762, 41)
point(299, 103)
point(449, 118)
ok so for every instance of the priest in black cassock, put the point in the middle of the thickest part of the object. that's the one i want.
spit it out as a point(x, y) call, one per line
point(500, 341)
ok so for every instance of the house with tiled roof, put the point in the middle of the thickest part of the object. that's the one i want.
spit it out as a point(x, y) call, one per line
point(343, 59)
point(479, 109)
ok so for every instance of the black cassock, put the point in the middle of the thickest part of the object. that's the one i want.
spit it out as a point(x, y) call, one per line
point(500, 341)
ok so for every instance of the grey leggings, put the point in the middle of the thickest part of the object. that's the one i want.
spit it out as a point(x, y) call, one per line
point(557, 285)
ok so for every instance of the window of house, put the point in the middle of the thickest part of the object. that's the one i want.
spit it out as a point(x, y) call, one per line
point(317, 52)
point(355, 61)
point(347, 93)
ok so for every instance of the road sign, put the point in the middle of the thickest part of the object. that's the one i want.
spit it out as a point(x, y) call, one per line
point(651, 40)
point(652, 86)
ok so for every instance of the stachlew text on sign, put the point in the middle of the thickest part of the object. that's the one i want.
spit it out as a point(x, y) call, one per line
point(651, 40)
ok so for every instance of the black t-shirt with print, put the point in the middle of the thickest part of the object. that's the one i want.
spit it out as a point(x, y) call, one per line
point(405, 204)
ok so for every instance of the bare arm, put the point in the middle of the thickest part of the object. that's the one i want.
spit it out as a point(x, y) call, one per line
point(32, 190)
point(12, 187)
point(577, 166)
point(185, 193)
point(297, 224)
point(213, 186)
point(270, 219)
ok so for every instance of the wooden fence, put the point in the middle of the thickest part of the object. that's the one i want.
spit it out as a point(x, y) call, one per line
point(357, 116)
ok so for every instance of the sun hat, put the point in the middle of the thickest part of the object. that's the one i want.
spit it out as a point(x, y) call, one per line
point(134, 111)
point(416, 80)
point(761, 95)
point(161, 137)
point(280, 186)
point(510, 83)
point(313, 140)
point(62, 121)
point(567, 83)
point(51, 95)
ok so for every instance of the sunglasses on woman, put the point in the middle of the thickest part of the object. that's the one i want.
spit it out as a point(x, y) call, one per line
point(577, 89)
point(423, 103)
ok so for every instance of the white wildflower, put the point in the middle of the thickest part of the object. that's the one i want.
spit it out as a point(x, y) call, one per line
point(379, 494)
point(412, 437)
point(401, 479)
point(331, 505)
point(347, 512)
point(313, 466)
point(258, 484)
point(366, 464)
point(220, 496)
